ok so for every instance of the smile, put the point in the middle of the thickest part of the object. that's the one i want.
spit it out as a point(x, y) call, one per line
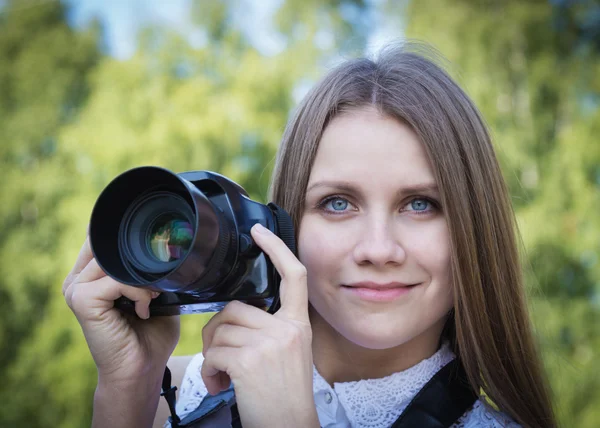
point(379, 292)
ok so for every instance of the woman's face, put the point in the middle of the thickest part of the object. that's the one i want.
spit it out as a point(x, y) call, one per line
point(372, 236)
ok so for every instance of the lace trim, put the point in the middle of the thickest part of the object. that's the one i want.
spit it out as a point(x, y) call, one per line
point(192, 390)
point(370, 403)
point(482, 415)
point(377, 403)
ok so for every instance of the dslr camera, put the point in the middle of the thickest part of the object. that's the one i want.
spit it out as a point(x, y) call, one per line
point(187, 236)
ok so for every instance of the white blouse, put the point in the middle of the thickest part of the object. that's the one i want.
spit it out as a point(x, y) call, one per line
point(368, 403)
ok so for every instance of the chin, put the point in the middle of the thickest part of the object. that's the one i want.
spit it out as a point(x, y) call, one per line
point(380, 340)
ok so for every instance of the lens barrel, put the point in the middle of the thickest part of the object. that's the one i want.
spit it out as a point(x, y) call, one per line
point(151, 228)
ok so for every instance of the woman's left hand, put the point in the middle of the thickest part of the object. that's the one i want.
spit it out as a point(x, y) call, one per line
point(267, 357)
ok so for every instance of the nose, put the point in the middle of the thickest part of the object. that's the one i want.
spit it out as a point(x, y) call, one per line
point(378, 244)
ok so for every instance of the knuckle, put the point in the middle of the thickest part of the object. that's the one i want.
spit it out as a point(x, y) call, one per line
point(296, 335)
point(233, 306)
point(220, 332)
point(298, 271)
point(208, 355)
point(249, 360)
point(67, 294)
point(221, 329)
point(227, 310)
point(66, 283)
point(78, 300)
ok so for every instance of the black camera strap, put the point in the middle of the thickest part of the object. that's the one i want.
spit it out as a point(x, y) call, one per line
point(168, 392)
point(439, 404)
point(442, 401)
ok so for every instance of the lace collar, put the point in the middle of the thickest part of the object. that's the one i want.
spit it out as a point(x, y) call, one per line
point(378, 403)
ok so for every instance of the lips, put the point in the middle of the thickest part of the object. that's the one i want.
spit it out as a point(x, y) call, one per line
point(378, 286)
point(378, 292)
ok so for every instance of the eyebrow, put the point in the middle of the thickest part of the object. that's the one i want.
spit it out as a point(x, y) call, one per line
point(347, 186)
point(342, 185)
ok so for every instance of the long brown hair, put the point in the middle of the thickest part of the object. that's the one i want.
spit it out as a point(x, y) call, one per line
point(490, 329)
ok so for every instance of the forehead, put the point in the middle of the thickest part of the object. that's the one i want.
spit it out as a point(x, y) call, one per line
point(373, 148)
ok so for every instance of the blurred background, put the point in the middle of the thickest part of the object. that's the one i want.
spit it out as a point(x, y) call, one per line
point(90, 88)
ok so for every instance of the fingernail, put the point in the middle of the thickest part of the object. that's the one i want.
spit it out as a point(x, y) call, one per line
point(261, 229)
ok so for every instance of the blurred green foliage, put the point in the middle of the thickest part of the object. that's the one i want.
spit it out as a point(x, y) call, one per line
point(72, 118)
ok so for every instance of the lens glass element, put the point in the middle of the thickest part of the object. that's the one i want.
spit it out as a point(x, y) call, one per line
point(170, 237)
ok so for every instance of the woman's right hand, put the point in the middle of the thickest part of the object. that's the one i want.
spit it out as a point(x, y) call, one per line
point(126, 348)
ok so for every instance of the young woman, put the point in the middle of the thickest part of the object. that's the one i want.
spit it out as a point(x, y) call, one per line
point(407, 259)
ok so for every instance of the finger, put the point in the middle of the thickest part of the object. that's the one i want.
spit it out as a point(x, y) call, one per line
point(83, 258)
point(217, 383)
point(235, 313)
point(293, 290)
point(92, 302)
point(215, 367)
point(233, 336)
point(224, 381)
point(91, 272)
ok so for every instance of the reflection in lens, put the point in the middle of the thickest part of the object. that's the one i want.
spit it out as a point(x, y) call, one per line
point(170, 238)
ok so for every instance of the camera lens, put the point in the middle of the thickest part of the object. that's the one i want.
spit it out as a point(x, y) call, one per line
point(150, 227)
point(170, 237)
point(156, 233)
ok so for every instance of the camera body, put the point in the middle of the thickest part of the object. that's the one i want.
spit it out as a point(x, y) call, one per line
point(186, 236)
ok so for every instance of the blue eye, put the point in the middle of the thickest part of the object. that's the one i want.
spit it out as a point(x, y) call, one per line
point(336, 204)
point(420, 204)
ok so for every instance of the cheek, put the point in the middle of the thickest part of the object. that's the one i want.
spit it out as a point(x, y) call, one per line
point(430, 248)
point(320, 251)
